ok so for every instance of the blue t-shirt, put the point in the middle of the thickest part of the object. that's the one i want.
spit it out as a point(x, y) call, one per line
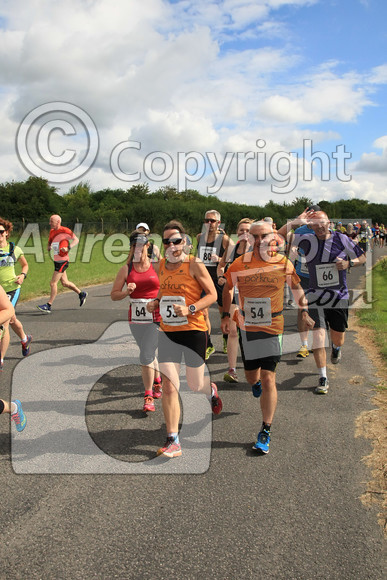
point(301, 268)
point(321, 255)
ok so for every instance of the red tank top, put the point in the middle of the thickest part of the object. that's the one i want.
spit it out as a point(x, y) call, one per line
point(147, 287)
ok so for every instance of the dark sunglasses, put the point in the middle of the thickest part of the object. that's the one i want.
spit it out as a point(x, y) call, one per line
point(2, 232)
point(210, 221)
point(174, 241)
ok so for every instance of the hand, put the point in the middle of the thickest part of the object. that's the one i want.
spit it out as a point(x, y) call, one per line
point(304, 217)
point(221, 280)
point(342, 264)
point(181, 310)
point(19, 279)
point(152, 305)
point(225, 325)
point(131, 288)
point(214, 258)
point(308, 320)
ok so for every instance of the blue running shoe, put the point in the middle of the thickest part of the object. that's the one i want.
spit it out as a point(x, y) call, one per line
point(45, 308)
point(26, 345)
point(82, 298)
point(257, 389)
point(263, 442)
point(19, 417)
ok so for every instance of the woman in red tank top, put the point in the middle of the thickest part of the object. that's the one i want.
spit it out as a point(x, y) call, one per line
point(138, 279)
point(183, 279)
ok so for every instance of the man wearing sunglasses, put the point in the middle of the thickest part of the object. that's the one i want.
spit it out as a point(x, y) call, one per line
point(260, 277)
point(9, 255)
point(212, 244)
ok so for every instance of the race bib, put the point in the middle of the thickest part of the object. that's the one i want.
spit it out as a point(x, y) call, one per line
point(168, 313)
point(139, 312)
point(205, 253)
point(304, 267)
point(257, 311)
point(55, 247)
point(327, 275)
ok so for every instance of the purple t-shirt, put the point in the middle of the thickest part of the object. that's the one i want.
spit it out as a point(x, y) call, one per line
point(321, 256)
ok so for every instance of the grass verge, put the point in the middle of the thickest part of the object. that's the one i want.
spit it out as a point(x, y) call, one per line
point(372, 335)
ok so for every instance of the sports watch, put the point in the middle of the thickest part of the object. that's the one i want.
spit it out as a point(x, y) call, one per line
point(192, 309)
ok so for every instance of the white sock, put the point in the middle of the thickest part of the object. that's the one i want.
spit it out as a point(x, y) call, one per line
point(323, 372)
point(13, 408)
point(305, 342)
point(24, 339)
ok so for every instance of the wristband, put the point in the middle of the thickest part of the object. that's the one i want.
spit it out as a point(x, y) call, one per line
point(225, 315)
point(23, 274)
point(304, 310)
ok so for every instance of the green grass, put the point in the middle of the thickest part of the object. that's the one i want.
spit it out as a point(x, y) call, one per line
point(96, 269)
point(376, 318)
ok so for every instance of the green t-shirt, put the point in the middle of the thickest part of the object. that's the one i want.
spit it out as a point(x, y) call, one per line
point(7, 267)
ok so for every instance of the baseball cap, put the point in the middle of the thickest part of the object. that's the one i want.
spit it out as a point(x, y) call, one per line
point(143, 225)
point(314, 207)
point(138, 238)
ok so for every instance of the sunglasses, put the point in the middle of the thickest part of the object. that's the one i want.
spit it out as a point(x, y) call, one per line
point(174, 241)
point(210, 221)
point(2, 232)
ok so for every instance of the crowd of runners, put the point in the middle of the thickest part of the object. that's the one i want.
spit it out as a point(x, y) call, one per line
point(169, 291)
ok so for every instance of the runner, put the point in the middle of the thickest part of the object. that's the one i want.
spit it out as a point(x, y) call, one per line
point(153, 250)
point(260, 277)
point(365, 235)
point(212, 244)
point(328, 255)
point(242, 246)
point(14, 408)
point(303, 274)
point(183, 279)
point(138, 279)
point(61, 240)
point(11, 282)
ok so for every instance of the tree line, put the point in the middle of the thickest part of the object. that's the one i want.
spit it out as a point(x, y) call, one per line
point(34, 200)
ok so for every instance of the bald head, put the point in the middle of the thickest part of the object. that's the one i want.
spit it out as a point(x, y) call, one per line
point(319, 223)
point(55, 221)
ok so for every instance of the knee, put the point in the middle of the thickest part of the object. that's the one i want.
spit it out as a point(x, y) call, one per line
point(168, 387)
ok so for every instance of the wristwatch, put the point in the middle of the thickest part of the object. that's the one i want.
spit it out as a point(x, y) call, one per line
point(192, 309)
point(225, 315)
point(351, 263)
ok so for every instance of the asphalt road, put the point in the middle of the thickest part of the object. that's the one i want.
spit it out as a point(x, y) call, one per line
point(84, 497)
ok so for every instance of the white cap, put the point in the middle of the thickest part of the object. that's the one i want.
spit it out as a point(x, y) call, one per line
point(143, 225)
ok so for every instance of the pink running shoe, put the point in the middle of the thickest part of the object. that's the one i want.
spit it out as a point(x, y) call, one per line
point(216, 402)
point(170, 449)
point(148, 404)
point(157, 390)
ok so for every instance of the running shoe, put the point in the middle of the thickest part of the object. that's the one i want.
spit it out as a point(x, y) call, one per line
point(230, 376)
point(148, 404)
point(263, 442)
point(210, 350)
point(224, 345)
point(82, 298)
point(170, 449)
point(19, 417)
point(216, 402)
point(1, 365)
point(157, 390)
point(335, 355)
point(257, 389)
point(303, 352)
point(45, 308)
point(26, 345)
point(323, 386)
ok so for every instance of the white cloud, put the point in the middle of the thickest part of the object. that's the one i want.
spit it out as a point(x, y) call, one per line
point(372, 162)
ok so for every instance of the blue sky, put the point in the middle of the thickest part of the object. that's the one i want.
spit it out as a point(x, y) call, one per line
point(161, 79)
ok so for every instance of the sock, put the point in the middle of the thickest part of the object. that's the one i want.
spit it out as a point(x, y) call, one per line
point(148, 393)
point(24, 339)
point(266, 426)
point(174, 436)
point(157, 380)
point(232, 369)
point(323, 372)
point(336, 347)
point(305, 342)
point(13, 408)
point(49, 304)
